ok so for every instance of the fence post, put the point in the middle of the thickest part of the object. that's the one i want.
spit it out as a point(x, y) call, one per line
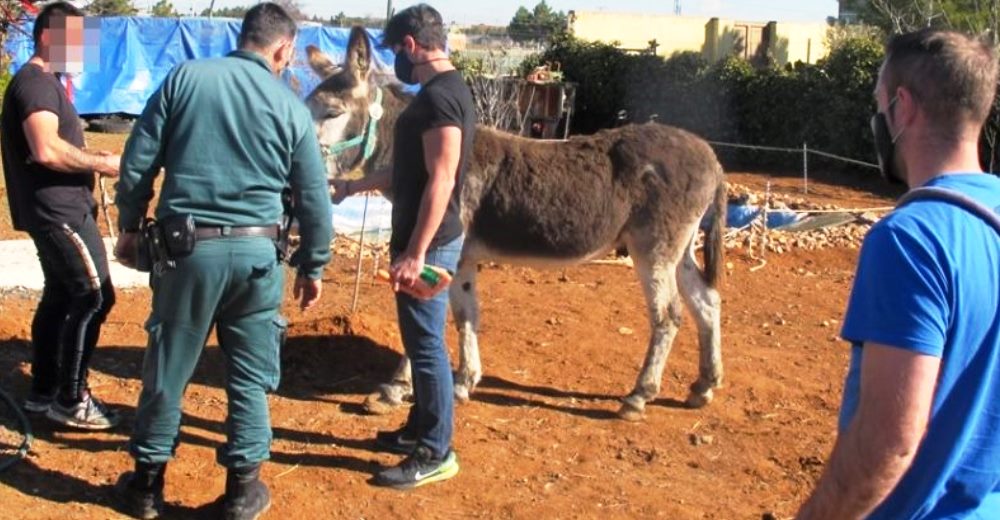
point(764, 239)
point(805, 168)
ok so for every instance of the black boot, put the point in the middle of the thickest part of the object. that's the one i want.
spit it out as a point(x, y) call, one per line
point(140, 492)
point(246, 496)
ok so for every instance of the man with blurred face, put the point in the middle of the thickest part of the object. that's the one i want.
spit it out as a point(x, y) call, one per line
point(50, 181)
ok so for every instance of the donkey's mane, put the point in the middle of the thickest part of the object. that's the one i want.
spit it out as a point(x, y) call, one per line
point(390, 83)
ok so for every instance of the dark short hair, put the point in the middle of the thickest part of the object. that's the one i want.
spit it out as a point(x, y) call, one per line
point(44, 20)
point(952, 76)
point(265, 24)
point(420, 21)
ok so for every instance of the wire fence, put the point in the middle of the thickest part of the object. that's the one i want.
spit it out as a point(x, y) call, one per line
point(805, 151)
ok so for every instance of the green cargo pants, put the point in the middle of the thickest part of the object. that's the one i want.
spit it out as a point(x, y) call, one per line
point(235, 284)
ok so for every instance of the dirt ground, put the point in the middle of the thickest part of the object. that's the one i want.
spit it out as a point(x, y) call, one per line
point(539, 438)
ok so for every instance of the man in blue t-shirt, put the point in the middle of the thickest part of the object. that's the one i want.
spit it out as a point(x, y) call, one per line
point(920, 421)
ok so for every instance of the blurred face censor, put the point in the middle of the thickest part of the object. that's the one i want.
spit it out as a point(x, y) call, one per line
point(71, 44)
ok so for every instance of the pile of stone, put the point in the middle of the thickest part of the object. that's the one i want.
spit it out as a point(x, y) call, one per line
point(348, 247)
point(755, 239)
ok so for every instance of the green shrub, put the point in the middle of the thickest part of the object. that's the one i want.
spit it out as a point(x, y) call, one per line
point(599, 69)
point(5, 77)
point(826, 105)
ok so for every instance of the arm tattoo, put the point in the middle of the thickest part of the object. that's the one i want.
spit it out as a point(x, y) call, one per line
point(79, 160)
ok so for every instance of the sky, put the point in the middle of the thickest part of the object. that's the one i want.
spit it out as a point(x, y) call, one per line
point(499, 12)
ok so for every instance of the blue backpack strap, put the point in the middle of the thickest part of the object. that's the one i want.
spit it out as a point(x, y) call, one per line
point(956, 198)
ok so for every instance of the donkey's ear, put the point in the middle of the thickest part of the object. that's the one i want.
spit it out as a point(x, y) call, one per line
point(359, 53)
point(320, 62)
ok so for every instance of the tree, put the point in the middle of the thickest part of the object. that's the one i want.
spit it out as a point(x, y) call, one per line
point(485, 30)
point(111, 8)
point(164, 9)
point(536, 25)
point(494, 92)
point(227, 12)
point(342, 20)
point(900, 16)
point(11, 16)
point(291, 7)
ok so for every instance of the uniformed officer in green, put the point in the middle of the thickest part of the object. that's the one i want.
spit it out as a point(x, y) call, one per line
point(230, 136)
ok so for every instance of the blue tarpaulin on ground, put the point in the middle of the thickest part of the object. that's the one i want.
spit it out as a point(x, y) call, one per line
point(741, 215)
point(136, 53)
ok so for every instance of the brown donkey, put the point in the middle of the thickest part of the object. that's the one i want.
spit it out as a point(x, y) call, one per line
point(556, 203)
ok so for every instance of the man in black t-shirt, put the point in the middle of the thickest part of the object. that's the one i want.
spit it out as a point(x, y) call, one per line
point(50, 180)
point(432, 147)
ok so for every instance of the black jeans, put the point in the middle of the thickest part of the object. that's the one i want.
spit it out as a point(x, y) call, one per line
point(75, 302)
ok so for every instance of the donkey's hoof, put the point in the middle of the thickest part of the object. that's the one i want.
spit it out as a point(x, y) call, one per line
point(630, 413)
point(377, 404)
point(461, 393)
point(699, 400)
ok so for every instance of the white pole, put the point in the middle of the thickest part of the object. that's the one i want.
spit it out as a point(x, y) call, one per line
point(805, 168)
point(767, 205)
point(361, 250)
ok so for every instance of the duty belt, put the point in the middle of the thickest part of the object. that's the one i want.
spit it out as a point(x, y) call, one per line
point(212, 232)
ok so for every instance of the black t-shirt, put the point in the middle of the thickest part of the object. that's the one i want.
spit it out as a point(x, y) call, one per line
point(40, 197)
point(444, 101)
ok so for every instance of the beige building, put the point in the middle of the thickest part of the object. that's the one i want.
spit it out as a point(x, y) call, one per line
point(714, 38)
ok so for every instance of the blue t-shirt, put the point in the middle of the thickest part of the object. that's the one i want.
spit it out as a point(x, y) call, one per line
point(928, 281)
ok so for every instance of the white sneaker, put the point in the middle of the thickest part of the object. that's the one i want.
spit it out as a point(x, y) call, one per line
point(88, 414)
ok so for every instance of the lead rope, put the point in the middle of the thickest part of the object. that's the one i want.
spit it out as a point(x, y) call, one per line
point(361, 250)
point(105, 200)
point(105, 205)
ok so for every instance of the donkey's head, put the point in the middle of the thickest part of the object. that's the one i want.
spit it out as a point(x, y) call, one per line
point(348, 107)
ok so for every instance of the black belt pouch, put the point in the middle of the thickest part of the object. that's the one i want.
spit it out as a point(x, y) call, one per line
point(179, 234)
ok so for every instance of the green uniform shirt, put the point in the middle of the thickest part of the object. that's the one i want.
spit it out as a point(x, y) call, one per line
point(230, 136)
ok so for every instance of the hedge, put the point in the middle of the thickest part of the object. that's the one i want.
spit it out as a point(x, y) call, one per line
point(826, 105)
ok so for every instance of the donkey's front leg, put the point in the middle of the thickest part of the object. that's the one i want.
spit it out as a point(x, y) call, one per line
point(465, 309)
point(393, 394)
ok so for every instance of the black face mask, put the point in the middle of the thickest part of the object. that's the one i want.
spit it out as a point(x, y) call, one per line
point(885, 147)
point(404, 68)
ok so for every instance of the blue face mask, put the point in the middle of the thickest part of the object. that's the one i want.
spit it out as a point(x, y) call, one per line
point(404, 68)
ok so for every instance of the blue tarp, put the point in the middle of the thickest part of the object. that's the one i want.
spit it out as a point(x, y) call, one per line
point(136, 53)
point(741, 215)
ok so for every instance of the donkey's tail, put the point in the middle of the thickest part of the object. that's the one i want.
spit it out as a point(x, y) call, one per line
point(714, 247)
